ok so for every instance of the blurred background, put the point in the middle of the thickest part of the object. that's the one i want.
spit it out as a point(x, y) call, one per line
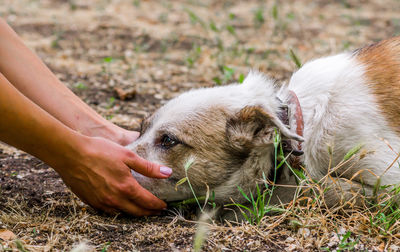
point(126, 57)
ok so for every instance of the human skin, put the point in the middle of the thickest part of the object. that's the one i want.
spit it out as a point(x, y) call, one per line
point(31, 77)
point(44, 118)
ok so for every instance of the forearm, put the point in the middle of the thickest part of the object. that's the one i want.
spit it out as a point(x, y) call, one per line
point(28, 127)
point(97, 170)
point(32, 78)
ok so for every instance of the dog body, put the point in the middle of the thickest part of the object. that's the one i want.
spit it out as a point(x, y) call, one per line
point(346, 100)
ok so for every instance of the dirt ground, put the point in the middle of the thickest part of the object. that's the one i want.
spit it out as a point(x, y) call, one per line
point(126, 58)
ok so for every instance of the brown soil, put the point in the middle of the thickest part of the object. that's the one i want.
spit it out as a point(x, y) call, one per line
point(153, 46)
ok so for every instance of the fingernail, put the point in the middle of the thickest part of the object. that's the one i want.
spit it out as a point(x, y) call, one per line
point(165, 170)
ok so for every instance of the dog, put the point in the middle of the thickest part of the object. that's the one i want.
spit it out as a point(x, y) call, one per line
point(330, 105)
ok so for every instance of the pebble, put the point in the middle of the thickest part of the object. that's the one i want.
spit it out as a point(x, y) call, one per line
point(289, 240)
point(305, 232)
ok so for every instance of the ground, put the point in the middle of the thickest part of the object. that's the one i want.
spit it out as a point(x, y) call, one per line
point(126, 58)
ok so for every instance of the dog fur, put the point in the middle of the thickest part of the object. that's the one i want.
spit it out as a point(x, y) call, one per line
point(347, 100)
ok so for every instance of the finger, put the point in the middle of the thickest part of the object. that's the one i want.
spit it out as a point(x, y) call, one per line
point(136, 210)
point(140, 196)
point(107, 210)
point(129, 137)
point(148, 168)
point(133, 135)
point(125, 204)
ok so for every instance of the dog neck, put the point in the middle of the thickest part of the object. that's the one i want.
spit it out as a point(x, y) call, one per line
point(292, 110)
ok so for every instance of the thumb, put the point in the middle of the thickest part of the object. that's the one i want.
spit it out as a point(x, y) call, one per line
point(148, 168)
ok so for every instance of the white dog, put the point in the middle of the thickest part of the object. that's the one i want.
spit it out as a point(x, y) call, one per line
point(339, 101)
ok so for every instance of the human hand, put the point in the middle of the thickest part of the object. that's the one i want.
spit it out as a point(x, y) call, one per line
point(97, 170)
point(110, 131)
point(100, 176)
point(126, 137)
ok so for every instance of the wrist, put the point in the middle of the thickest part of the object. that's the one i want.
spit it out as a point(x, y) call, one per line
point(72, 150)
point(95, 128)
point(111, 132)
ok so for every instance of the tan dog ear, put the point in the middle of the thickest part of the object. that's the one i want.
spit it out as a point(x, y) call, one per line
point(253, 126)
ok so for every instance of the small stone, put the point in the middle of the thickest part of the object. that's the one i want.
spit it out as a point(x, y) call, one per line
point(333, 241)
point(289, 240)
point(291, 247)
point(305, 232)
point(342, 231)
point(158, 96)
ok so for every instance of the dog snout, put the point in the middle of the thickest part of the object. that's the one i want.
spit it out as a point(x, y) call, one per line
point(141, 150)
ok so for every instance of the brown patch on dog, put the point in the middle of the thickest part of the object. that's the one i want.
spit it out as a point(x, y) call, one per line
point(250, 127)
point(212, 137)
point(382, 62)
point(203, 135)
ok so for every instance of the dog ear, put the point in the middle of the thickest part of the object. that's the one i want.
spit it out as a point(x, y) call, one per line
point(253, 126)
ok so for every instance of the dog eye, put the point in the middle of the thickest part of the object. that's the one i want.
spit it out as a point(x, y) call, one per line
point(168, 142)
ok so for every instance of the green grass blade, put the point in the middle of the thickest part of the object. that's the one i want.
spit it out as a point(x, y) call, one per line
point(295, 59)
point(180, 182)
point(352, 152)
point(244, 195)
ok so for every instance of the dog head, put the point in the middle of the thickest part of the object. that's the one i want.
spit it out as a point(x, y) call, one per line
point(227, 132)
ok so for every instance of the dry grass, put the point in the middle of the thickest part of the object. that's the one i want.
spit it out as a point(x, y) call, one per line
point(152, 51)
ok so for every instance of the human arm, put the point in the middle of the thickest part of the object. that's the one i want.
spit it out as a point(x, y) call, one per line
point(32, 78)
point(95, 169)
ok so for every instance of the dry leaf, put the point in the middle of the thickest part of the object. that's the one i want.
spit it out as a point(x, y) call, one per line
point(7, 235)
point(125, 94)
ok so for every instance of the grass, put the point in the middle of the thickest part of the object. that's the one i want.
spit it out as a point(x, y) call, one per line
point(387, 214)
point(161, 37)
point(106, 67)
point(80, 86)
point(380, 217)
point(228, 76)
point(193, 56)
point(259, 203)
point(259, 18)
point(207, 199)
point(110, 103)
point(105, 247)
point(346, 243)
point(185, 179)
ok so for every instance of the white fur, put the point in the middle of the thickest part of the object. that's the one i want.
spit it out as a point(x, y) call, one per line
point(254, 91)
point(339, 110)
